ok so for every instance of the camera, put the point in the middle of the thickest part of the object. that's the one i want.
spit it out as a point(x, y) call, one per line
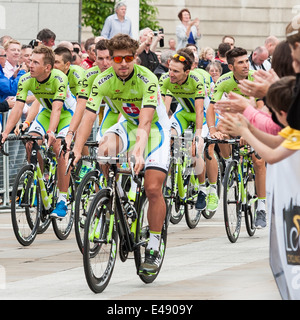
point(34, 43)
point(161, 41)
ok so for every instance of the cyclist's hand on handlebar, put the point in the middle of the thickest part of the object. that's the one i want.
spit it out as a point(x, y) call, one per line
point(139, 163)
point(50, 138)
point(3, 137)
point(77, 157)
point(217, 135)
point(21, 127)
point(68, 140)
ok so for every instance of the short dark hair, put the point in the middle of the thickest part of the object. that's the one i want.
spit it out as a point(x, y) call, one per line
point(122, 41)
point(65, 53)
point(280, 94)
point(223, 48)
point(101, 45)
point(46, 34)
point(234, 53)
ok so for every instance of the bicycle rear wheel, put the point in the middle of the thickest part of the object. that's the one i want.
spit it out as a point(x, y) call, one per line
point(142, 238)
point(85, 193)
point(25, 206)
point(99, 252)
point(231, 202)
point(62, 226)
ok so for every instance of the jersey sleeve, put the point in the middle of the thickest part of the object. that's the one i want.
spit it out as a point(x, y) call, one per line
point(23, 87)
point(163, 81)
point(96, 94)
point(80, 83)
point(60, 86)
point(218, 91)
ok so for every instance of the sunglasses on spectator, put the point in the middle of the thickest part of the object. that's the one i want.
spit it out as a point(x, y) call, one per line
point(119, 59)
point(180, 58)
point(3, 55)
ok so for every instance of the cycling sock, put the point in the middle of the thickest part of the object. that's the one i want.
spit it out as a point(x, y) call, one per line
point(261, 204)
point(212, 188)
point(202, 187)
point(62, 197)
point(154, 240)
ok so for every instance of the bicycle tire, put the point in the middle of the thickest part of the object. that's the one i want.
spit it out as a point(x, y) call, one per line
point(104, 251)
point(175, 205)
point(250, 206)
point(25, 218)
point(63, 226)
point(84, 196)
point(231, 202)
point(142, 236)
point(192, 215)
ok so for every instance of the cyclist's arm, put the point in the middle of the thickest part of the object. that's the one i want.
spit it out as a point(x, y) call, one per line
point(13, 118)
point(143, 130)
point(199, 115)
point(83, 132)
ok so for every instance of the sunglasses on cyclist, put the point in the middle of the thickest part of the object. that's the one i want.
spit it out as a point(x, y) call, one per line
point(119, 59)
point(180, 58)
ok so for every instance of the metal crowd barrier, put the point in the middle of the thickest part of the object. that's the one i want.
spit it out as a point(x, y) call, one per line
point(10, 166)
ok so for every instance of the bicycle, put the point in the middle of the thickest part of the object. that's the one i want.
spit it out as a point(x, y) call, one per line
point(239, 191)
point(111, 217)
point(182, 184)
point(33, 195)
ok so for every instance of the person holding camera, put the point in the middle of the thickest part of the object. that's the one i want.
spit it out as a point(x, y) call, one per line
point(188, 31)
point(147, 56)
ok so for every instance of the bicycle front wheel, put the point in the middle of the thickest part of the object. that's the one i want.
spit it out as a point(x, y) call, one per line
point(231, 202)
point(86, 191)
point(25, 206)
point(99, 247)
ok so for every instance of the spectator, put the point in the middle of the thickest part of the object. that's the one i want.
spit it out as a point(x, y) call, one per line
point(193, 47)
point(8, 86)
point(163, 67)
point(90, 50)
point(230, 40)
point(77, 53)
point(47, 37)
point(270, 43)
point(258, 59)
point(26, 51)
point(206, 56)
point(188, 31)
point(117, 23)
point(13, 54)
point(172, 44)
point(222, 49)
point(214, 68)
point(148, 57)
point(282, 61)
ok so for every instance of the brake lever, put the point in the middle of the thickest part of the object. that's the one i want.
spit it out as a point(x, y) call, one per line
point(63, 148)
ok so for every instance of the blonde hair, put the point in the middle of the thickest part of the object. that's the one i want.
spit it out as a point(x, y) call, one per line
point(204, 51)
point(11, 41)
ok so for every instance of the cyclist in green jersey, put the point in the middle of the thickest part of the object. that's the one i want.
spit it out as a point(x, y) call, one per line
point(238, 63)
point(50, 88)
point(143, 131)
point(189, 90)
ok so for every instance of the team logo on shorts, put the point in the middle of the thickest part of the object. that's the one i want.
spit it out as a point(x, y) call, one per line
point(131, 109)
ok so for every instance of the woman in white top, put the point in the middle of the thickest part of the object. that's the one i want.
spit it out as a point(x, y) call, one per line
point(188, 30)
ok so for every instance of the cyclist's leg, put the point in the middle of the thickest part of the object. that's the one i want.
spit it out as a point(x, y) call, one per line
point(260, 184)
point(156, 167)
